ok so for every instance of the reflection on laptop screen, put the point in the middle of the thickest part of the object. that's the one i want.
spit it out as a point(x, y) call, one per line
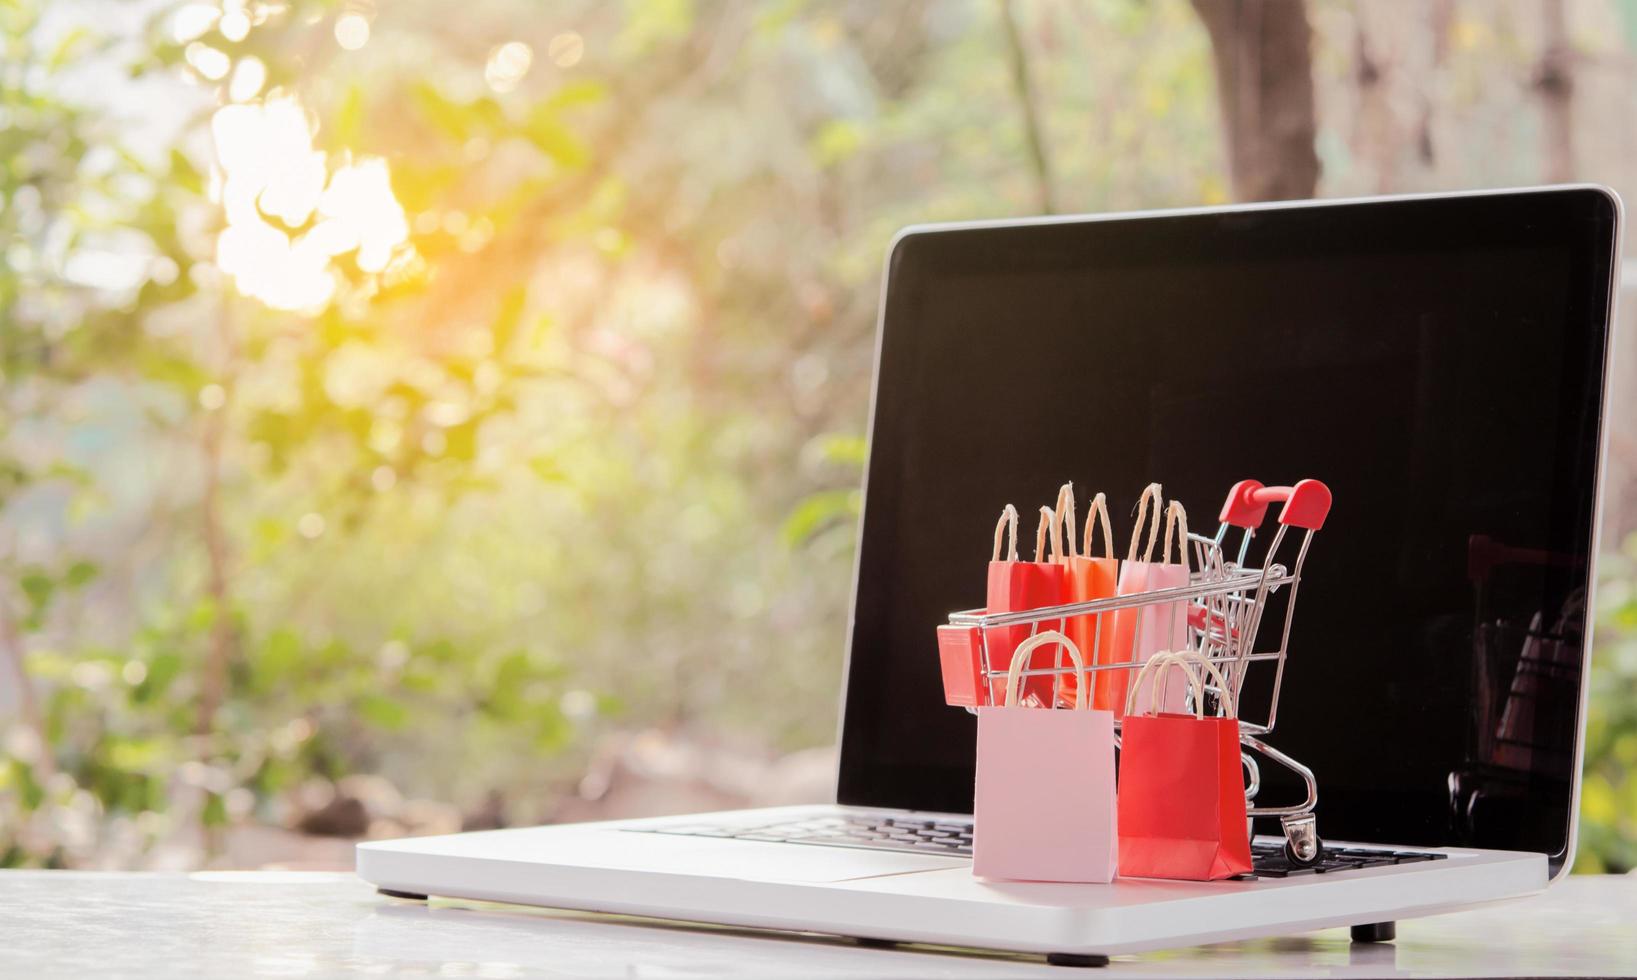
point(1438, 363)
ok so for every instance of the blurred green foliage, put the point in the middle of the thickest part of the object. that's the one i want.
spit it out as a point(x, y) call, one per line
point(1608, 793)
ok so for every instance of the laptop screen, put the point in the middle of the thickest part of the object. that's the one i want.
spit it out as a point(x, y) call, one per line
point(1439, 363)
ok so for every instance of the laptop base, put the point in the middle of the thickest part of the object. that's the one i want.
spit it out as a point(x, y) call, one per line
point(627, 868)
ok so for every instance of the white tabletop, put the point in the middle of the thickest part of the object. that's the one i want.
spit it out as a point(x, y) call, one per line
point(63, 923)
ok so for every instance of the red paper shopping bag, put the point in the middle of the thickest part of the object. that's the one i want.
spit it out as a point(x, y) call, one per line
point(1144, 630)
point(1086, 579)
point(1043, 799)
point(1016, 586)
point(1182, 794)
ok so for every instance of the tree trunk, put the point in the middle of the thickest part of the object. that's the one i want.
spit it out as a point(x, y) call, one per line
point(213, 682)
point(1028, 106)
point(28, 701)
point(1264, 76)
point(219, 656)
point(1554, 80)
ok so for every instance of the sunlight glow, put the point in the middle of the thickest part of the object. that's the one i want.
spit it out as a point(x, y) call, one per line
point(359, 200)
point(271, 176)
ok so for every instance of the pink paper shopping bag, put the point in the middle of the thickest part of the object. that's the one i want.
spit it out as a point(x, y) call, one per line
point(1043, 806)
point(1145, 630)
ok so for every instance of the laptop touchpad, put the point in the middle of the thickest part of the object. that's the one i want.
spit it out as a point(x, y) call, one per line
point(677, 854)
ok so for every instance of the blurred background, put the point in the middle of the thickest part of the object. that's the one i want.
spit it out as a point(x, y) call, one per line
point(418, 415)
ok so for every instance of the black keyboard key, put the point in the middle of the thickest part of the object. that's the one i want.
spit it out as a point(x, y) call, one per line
point(1328, 867)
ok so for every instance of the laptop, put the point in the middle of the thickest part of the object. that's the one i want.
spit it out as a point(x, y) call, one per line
point(1440, 362)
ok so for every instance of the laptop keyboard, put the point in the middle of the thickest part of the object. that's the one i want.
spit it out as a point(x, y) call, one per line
point(954, 838)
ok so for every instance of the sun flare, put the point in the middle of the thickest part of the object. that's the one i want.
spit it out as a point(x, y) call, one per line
point(289, 215)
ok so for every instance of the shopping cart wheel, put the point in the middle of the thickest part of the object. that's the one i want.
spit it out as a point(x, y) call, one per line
point(1294, 857)
point(1303, 847)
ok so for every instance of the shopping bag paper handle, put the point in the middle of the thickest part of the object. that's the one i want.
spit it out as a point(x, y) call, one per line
point(1048, 524)
point(1008, 521)
point(1150, 491)
point(1182, 658)
point(1099, 510)
point(1176, 519)
point(1020, 657)
point(1065, 515)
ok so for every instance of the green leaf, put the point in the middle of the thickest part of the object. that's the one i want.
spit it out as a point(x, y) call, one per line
point(579, 92)
point(844, 449)
point(69, 46)
point(172, 368)
point(383, 712)
point(279, 659)
point(135, 755)
point(556, 140)
point(162, 670)
point(816, 511)
point(837, 140)
point(442, 112)
point(39, 588)
point(184, 175)
point(80, 574)
point(215, 811)
point(29, 790)
point(347, 125)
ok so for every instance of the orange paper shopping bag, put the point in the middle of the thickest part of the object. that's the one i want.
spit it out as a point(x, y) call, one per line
point(1043, 802)
point(1086, 579)
point(1016, 586)
point(1182, 794)
point(1142, 631)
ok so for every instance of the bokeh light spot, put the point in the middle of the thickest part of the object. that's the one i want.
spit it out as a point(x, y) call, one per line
point(352, 31)
point(566, 49)
point(507, 65)
point(311, 525)
point(208, 61)
point(191, 21)
point(248, 78)
point(234, 25)
point(212, 397)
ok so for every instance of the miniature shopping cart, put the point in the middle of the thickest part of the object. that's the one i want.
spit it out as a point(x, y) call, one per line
point(1226, 600)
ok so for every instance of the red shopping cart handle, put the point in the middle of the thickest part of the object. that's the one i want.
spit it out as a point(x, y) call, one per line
point(1201, 618)
point(1305, 505)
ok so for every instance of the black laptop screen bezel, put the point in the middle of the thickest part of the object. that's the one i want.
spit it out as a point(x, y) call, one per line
point(1584, 221)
